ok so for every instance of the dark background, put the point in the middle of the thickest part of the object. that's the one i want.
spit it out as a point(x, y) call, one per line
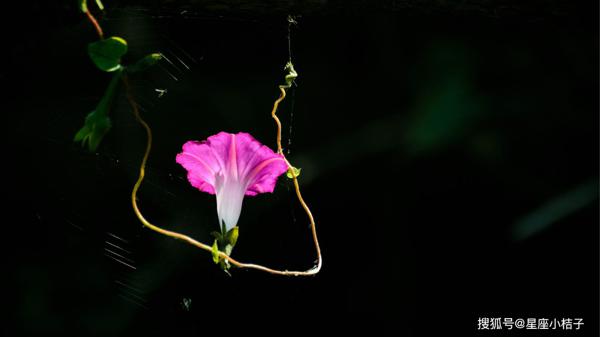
point(449, 155)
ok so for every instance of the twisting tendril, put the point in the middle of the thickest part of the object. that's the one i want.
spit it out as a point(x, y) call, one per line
point(291, 75)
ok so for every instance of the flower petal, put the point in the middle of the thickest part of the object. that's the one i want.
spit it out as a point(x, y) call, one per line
point(220, 146)
point(263, 177)
point(230, 196)
point(202, 166)
point(258, 166)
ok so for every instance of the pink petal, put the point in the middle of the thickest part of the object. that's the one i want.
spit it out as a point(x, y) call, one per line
point(202, 166)
point(258, 165)
point(263, 176)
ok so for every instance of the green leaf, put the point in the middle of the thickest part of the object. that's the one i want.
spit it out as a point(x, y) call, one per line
point(232, 236)
point(216, 235)
point(293, 172)
point(97, 123)
point(145, 63)
point(290, 76)
point(84, 8)
point(228, 249)
point(95, 128)
point(100, 5)
point(215, 252)
point(106, 54)
point(223, 230)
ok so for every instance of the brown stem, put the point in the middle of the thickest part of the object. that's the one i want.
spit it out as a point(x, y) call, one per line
point(95, 24)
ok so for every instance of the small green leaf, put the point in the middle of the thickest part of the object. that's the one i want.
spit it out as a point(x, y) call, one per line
point(145, 63)
point(293, 172)
point(106, 54)
point(95, 128)
point(228, 249)
point(100, 5)
point(83, 6)
point(216, 235)
point(215, 252)
point(223, 230)
point(232, 236)
point(290, 76)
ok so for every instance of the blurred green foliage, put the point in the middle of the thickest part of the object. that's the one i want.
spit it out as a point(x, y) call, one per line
point(555, 210)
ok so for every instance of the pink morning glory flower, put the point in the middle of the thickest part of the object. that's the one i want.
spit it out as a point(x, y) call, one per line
point(231, 166)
